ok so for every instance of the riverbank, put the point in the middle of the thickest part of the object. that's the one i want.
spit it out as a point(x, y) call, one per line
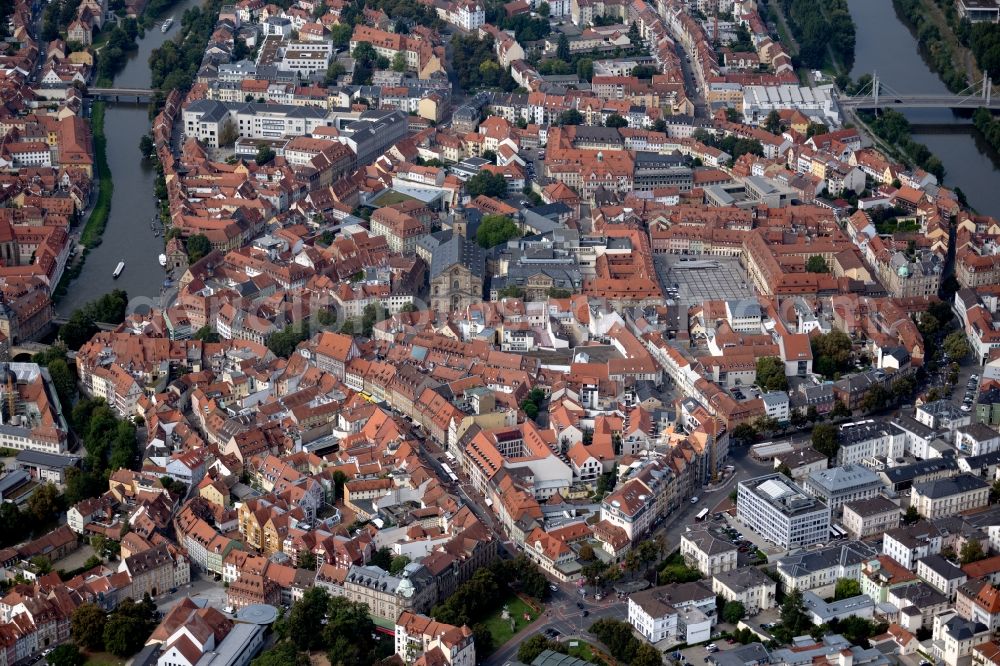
point(939, 45)
point(824, 32)
point(893, 128)
point(93, 228)
point(886, 45)
point(989, 127)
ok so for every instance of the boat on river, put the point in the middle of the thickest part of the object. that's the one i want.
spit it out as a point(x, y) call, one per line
point(166, 24)
point(118, 269)
point(163, 260)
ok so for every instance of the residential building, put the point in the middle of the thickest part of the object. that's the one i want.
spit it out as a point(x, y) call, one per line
point(865, 518)
point(749, 586)
point(946, 497)
point(707, 549)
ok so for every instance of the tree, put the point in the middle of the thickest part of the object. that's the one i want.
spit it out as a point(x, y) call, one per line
point(587, 552)
point(44, 504)
point(972, 551)
point(874, 399)
point(570, 117)
point(529, 649)
point(399, 62)
point(207, 334)
point(64, 382)
point(486, 183)
point(398, 564)
point(846, 588)
point(911, 515)
point(794, 619)
point(283, 343)
point(733, 612)
point(773, 122)
point(617, 635)
point(282, 654)
point(348, 633)
point(634, 36)
point(66, 654)
point(840, 410)
point(496, 229)
point(228, 134)
point(198, 246)
point(562, 48)
point(305, 621)
point(903, 387)
point(593, 571)
point(334, 71)
point(646, 654)
point(146, 146)
point(382, 558)
point(616, 121)
point(745, 433)
point(771, 374)
point(817, 264)
point(824, 439)
point(956, 345)
point(530, 409)
point(124, 635)
point(585, 69)
point(831, 353)
point(264, 154)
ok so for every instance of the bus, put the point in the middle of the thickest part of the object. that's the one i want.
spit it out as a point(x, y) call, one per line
point(451, 474)
point(837, 532)
point(701, 515)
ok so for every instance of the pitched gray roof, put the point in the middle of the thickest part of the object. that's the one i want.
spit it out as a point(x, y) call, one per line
point(458, 250)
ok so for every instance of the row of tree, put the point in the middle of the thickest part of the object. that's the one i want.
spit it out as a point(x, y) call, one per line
point(110, 444)
point(82, 325)
point(122, 632)
point(893, 127)
point(175, 64)
point(475, 65)
point(733, 145)
point(821, 29)
point(936, 46)
point(988, 127)
point(985, 44)
point(484, 593)
point(623, 644)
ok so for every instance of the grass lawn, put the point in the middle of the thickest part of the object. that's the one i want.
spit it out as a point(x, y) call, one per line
point(103, 659)
point(500, 628)
point(391, 198)
point(586, 652)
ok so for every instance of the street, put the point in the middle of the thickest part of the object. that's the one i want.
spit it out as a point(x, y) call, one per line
point(202, 586)
point(746, 468)
point(562, 612)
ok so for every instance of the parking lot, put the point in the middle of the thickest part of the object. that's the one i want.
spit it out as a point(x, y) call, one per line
point(697, 278)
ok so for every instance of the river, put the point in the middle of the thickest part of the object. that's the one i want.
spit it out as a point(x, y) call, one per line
point(885, 45)
point(128, 236)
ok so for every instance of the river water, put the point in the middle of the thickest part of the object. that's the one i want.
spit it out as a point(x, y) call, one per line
point(885, 45)
point(128, 236)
